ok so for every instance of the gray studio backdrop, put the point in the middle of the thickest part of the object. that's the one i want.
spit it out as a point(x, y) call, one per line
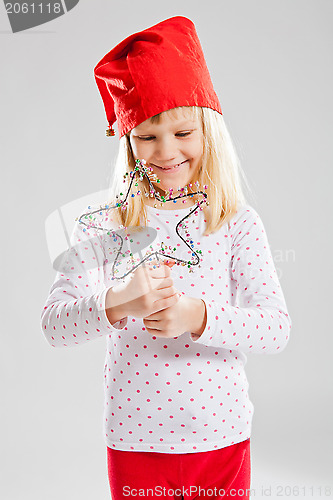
point(271, 66)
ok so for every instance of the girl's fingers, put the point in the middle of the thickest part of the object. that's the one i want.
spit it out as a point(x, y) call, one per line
point(165, 283)
point(164, 293)
point(151, 324)
point(169, 262)
point(150, 276)
point(162, 271)
point(155, 316)
point(161, 304)
point(158, 277)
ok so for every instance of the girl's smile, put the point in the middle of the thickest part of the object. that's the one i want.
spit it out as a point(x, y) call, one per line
point(170, 168)
point(172, 145)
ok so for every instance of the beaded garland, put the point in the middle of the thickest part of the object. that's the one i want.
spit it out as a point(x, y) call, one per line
point(142, 170)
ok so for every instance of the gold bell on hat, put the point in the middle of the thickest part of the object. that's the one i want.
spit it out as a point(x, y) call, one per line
point(110, 132)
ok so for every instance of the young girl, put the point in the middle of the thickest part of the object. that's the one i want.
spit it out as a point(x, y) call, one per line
point(176, 273)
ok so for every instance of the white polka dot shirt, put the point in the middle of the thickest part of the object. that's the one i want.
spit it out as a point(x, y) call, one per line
point(184, 394)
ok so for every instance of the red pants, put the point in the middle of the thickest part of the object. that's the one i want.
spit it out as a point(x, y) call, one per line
point(218, 474)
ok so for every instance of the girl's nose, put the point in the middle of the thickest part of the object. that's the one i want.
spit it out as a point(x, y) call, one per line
point(166, 149)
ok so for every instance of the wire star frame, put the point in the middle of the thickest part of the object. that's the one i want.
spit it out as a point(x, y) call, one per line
point(143, 170)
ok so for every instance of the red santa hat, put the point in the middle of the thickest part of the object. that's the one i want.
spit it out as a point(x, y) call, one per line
point(157, 69)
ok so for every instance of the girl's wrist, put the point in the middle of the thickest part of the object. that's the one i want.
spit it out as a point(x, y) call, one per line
point(198, 314)
point(115, 305)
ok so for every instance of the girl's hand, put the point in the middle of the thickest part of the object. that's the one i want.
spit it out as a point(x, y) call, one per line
point(148, 289)
point(187, 315)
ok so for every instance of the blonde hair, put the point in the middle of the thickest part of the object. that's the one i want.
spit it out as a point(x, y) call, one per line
point(220, 170)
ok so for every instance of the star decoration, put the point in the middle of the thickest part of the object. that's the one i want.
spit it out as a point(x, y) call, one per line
point(128, 241)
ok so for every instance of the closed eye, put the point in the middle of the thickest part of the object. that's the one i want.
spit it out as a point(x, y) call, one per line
point(184, 134)
point(146, 137)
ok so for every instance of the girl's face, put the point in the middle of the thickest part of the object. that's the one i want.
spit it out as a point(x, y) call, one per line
point(173, 147)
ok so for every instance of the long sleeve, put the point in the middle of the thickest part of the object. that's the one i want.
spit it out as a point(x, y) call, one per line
point(259, 321)
point(74, 311)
